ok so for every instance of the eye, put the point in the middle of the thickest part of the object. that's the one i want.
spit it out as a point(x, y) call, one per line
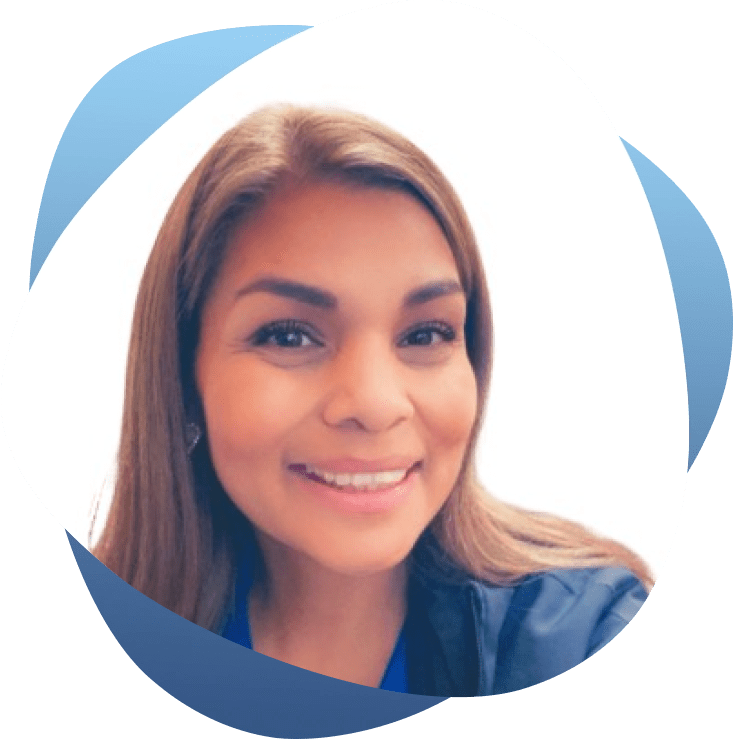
point(285, 335)
point(428, 334)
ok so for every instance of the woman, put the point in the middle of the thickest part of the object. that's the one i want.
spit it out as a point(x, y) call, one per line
point(308, 368)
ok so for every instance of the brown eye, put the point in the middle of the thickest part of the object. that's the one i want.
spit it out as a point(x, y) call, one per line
point(428, 335)
point(285, 335)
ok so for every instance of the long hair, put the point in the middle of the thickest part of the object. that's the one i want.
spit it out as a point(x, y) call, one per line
point(172, 532)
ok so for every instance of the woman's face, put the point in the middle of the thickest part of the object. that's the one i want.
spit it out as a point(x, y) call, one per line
point(332, 366)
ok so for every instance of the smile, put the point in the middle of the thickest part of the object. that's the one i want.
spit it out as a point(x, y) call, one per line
point(357, 481)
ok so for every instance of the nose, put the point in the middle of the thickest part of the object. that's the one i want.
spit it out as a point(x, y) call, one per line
point(368, 388)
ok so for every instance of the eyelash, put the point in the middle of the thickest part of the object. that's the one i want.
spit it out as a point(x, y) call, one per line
point(264, 335)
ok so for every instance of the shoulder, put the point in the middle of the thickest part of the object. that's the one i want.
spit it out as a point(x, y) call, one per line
point(612, 590)
point(563, 602)
point(550, 622)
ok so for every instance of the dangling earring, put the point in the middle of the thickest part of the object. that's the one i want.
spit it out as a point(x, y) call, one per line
point(193, 436)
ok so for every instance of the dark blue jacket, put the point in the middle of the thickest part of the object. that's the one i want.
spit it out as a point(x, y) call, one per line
point(465, 637)
point(468, 638)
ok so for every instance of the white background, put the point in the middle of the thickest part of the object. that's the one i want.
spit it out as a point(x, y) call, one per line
point(588, 412)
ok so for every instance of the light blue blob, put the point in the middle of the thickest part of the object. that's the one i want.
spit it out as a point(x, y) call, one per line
point(129, 104)
point(701, 292)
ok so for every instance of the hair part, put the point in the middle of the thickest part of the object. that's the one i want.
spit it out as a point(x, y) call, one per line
point(172, 532)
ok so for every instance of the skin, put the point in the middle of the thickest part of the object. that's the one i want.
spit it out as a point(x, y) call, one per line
point(366, 378)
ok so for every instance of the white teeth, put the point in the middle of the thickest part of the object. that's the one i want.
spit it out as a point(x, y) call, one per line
point(361, 480)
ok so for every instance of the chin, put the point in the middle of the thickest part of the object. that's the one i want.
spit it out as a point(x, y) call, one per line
point(362, 561)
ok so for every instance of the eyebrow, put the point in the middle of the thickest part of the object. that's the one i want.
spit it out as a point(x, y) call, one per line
point(431, 291)
point(324, 299)
point(290, 289)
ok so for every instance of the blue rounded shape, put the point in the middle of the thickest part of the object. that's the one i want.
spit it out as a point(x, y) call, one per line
point(230, 683)
point(701, 293)
point(130, 103)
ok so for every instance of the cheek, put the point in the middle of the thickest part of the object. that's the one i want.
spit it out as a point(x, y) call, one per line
point(250, 412)
point(451, 411)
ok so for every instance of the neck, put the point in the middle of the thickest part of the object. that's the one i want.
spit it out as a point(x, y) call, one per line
point(343, 625)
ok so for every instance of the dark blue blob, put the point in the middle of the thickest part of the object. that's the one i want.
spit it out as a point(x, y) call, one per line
point(229, 683)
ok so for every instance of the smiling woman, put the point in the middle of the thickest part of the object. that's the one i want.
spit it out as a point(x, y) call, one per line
point(308, 368)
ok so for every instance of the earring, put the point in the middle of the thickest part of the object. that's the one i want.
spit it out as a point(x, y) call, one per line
point(193, 436)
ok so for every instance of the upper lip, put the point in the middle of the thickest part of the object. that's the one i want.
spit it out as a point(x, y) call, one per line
point(354, 466)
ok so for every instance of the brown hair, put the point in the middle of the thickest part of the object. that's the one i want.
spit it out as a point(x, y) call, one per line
point(172, 532)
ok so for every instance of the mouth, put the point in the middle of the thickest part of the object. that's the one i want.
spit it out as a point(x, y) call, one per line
point(356, 482)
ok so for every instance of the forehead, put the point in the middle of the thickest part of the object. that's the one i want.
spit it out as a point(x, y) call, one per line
point(340, 236)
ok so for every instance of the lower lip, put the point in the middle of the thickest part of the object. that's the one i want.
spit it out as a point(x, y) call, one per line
point(350, 500)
